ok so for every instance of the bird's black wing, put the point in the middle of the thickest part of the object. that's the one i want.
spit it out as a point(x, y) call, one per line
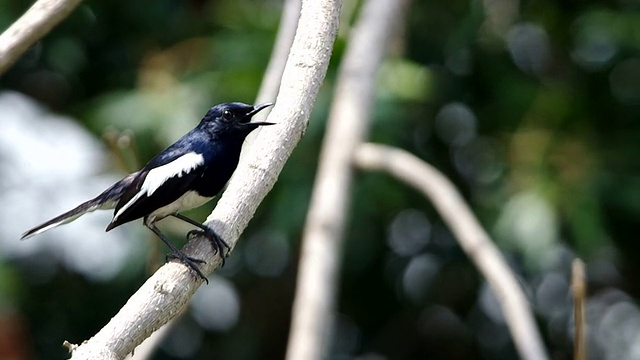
point(165, 179)
point(168, 155)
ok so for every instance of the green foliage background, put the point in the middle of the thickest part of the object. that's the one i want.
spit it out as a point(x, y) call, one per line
point(533, 114)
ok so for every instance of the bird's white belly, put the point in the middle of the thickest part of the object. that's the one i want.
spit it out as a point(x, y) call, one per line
point(190, 200)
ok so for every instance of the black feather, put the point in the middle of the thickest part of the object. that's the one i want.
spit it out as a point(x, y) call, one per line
point(106, 200)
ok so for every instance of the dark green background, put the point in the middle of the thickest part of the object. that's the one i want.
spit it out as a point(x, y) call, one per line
point(535, 121)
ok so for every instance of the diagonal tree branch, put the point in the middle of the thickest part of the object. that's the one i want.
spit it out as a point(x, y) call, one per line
point(472, 238)
point(168, 291)
point(268, 91)
point(347, 126)
point(30, 27)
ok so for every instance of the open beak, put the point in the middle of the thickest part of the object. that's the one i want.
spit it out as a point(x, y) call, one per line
point(257, 109)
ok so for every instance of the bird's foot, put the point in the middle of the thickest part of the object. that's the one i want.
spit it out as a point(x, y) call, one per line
point(191, 263)
point(216, 241)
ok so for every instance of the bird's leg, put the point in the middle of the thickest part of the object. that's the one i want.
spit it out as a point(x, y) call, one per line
point(177, 254)
point(216, 241)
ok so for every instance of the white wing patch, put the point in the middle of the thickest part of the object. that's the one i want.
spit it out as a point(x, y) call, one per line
point(158, 176)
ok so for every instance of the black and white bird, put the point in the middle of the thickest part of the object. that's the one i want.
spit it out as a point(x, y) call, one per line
point(184, 176)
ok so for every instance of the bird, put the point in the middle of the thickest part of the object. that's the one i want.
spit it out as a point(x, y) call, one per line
point(185, 175)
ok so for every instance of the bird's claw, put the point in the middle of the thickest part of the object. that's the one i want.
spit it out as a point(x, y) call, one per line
point(194, 233)
point(176, 256)
point(191, 263)
point(216, 241)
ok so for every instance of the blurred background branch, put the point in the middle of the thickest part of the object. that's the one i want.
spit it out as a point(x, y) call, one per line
point(277, 62)
point(472, 238)
point(318, 281)
point(31, 27)
point(579, 292)
point(280, 53)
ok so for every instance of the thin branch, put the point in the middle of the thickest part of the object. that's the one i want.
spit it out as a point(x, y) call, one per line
point(169, 290)
point(273, 74)
point(347, 126)
point(472, 238)
point(284, 40)
point(31, 27)
point(579, 290)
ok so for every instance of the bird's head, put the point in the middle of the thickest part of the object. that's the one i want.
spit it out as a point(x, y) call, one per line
point(233, 118)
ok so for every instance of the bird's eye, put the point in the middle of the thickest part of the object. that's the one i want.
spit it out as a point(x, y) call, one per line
point(227, 115)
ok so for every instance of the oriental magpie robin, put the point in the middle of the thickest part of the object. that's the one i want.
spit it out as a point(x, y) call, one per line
point(184, 176)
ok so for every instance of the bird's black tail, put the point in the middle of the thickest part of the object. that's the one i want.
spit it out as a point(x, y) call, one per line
point(107, 200)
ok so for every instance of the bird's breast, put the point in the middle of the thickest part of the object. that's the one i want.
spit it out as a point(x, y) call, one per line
point(189, 200)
